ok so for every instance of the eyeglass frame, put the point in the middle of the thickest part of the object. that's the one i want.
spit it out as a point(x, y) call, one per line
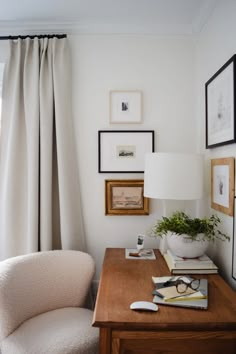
point(180, 281)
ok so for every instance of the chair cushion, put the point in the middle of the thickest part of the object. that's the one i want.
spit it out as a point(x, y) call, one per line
point(62, 331)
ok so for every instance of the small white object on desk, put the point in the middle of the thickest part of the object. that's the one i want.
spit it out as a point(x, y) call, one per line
point(144, 306)
point(140, 242)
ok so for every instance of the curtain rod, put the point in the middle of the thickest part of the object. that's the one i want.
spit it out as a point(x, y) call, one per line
point(2, 38)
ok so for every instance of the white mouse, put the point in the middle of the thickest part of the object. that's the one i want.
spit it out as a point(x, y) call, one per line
point(144, 305)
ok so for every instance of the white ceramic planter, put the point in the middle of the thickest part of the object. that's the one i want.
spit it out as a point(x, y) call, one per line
point(183, 246)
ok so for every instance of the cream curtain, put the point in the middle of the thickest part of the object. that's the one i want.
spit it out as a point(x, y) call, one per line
point(39, 186)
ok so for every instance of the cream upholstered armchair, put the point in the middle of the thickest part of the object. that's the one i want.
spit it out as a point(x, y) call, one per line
point(41, 304)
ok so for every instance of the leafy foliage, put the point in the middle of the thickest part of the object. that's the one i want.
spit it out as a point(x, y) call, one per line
point(180, 223)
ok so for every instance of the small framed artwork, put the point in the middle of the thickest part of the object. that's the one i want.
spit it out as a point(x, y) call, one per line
point(123, 151)
point(125, 106)
point(125, 197)
point(220, 106)
point(222, 185)
point(234, 246)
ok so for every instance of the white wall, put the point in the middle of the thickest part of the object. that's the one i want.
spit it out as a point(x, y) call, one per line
point(215, 45)
point(171, 72)
point(163, 68)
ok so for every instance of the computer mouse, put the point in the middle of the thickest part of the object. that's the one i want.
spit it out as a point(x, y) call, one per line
point(144, 306)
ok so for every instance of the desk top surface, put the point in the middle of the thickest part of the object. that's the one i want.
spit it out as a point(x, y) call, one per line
point(124, 281)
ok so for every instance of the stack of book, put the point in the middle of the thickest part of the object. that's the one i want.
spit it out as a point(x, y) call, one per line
point(165, 293)
point(200, 265)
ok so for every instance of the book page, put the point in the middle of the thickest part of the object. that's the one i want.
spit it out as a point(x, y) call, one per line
point(171, 292)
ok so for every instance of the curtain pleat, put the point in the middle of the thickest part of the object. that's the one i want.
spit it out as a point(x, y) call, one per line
point(39, 186)
point(47, 118)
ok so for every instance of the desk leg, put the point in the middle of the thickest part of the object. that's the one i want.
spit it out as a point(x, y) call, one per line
point(105, 341)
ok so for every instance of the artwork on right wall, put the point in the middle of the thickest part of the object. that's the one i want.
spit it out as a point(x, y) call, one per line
point(234, 246)
point(222, 185)
point(223, 194)
point(220, 106)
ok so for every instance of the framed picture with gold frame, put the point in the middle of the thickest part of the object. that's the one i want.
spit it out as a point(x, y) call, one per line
point(234, 244)
point(222, 185)
point(125, 197)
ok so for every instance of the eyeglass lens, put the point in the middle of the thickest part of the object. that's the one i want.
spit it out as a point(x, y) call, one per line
point(181, 286)
point(195, 284)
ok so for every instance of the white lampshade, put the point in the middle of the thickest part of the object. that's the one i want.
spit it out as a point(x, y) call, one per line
point(173, 176)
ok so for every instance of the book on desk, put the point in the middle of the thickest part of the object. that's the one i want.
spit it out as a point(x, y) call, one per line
point(168, 295)
point(200, 265)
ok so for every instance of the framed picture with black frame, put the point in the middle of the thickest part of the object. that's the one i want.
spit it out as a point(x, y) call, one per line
point(123, 151)
point(220, 92)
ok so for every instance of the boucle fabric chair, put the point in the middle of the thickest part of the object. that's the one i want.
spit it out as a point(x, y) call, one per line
point(41, 304)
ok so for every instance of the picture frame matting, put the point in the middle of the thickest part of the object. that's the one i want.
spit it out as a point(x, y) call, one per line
point(125, 106)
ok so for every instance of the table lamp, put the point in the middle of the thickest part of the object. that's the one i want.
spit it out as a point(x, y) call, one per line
point(176, 176)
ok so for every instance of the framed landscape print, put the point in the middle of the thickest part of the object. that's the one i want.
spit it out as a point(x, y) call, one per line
point(123, 151)
point(222, 185)
point(125, 197)
point(220, 106)
point(126, 106)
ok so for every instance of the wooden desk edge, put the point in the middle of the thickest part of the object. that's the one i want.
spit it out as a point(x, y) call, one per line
point(228, 326)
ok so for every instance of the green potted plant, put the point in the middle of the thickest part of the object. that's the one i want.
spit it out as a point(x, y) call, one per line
point(186, 236)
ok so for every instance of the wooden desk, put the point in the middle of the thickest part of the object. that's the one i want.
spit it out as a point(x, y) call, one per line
point(171, 330)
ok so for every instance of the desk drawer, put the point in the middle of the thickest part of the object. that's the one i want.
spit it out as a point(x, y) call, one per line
point(173, 342)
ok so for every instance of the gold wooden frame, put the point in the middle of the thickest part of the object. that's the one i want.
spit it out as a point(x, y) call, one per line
point(222, 185)
point(129, 204)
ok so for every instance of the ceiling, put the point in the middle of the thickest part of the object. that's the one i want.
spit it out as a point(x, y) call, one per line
point(106, 16)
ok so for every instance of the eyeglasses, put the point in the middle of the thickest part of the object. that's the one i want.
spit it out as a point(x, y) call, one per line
point(182, 286)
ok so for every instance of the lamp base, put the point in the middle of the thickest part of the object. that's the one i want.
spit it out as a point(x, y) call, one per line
point(163, 245)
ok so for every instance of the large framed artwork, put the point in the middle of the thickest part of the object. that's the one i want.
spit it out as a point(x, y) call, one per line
point(123, 151)
point(222, 185)
point(125, 197)
point(220, 106)
point(126, 106)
